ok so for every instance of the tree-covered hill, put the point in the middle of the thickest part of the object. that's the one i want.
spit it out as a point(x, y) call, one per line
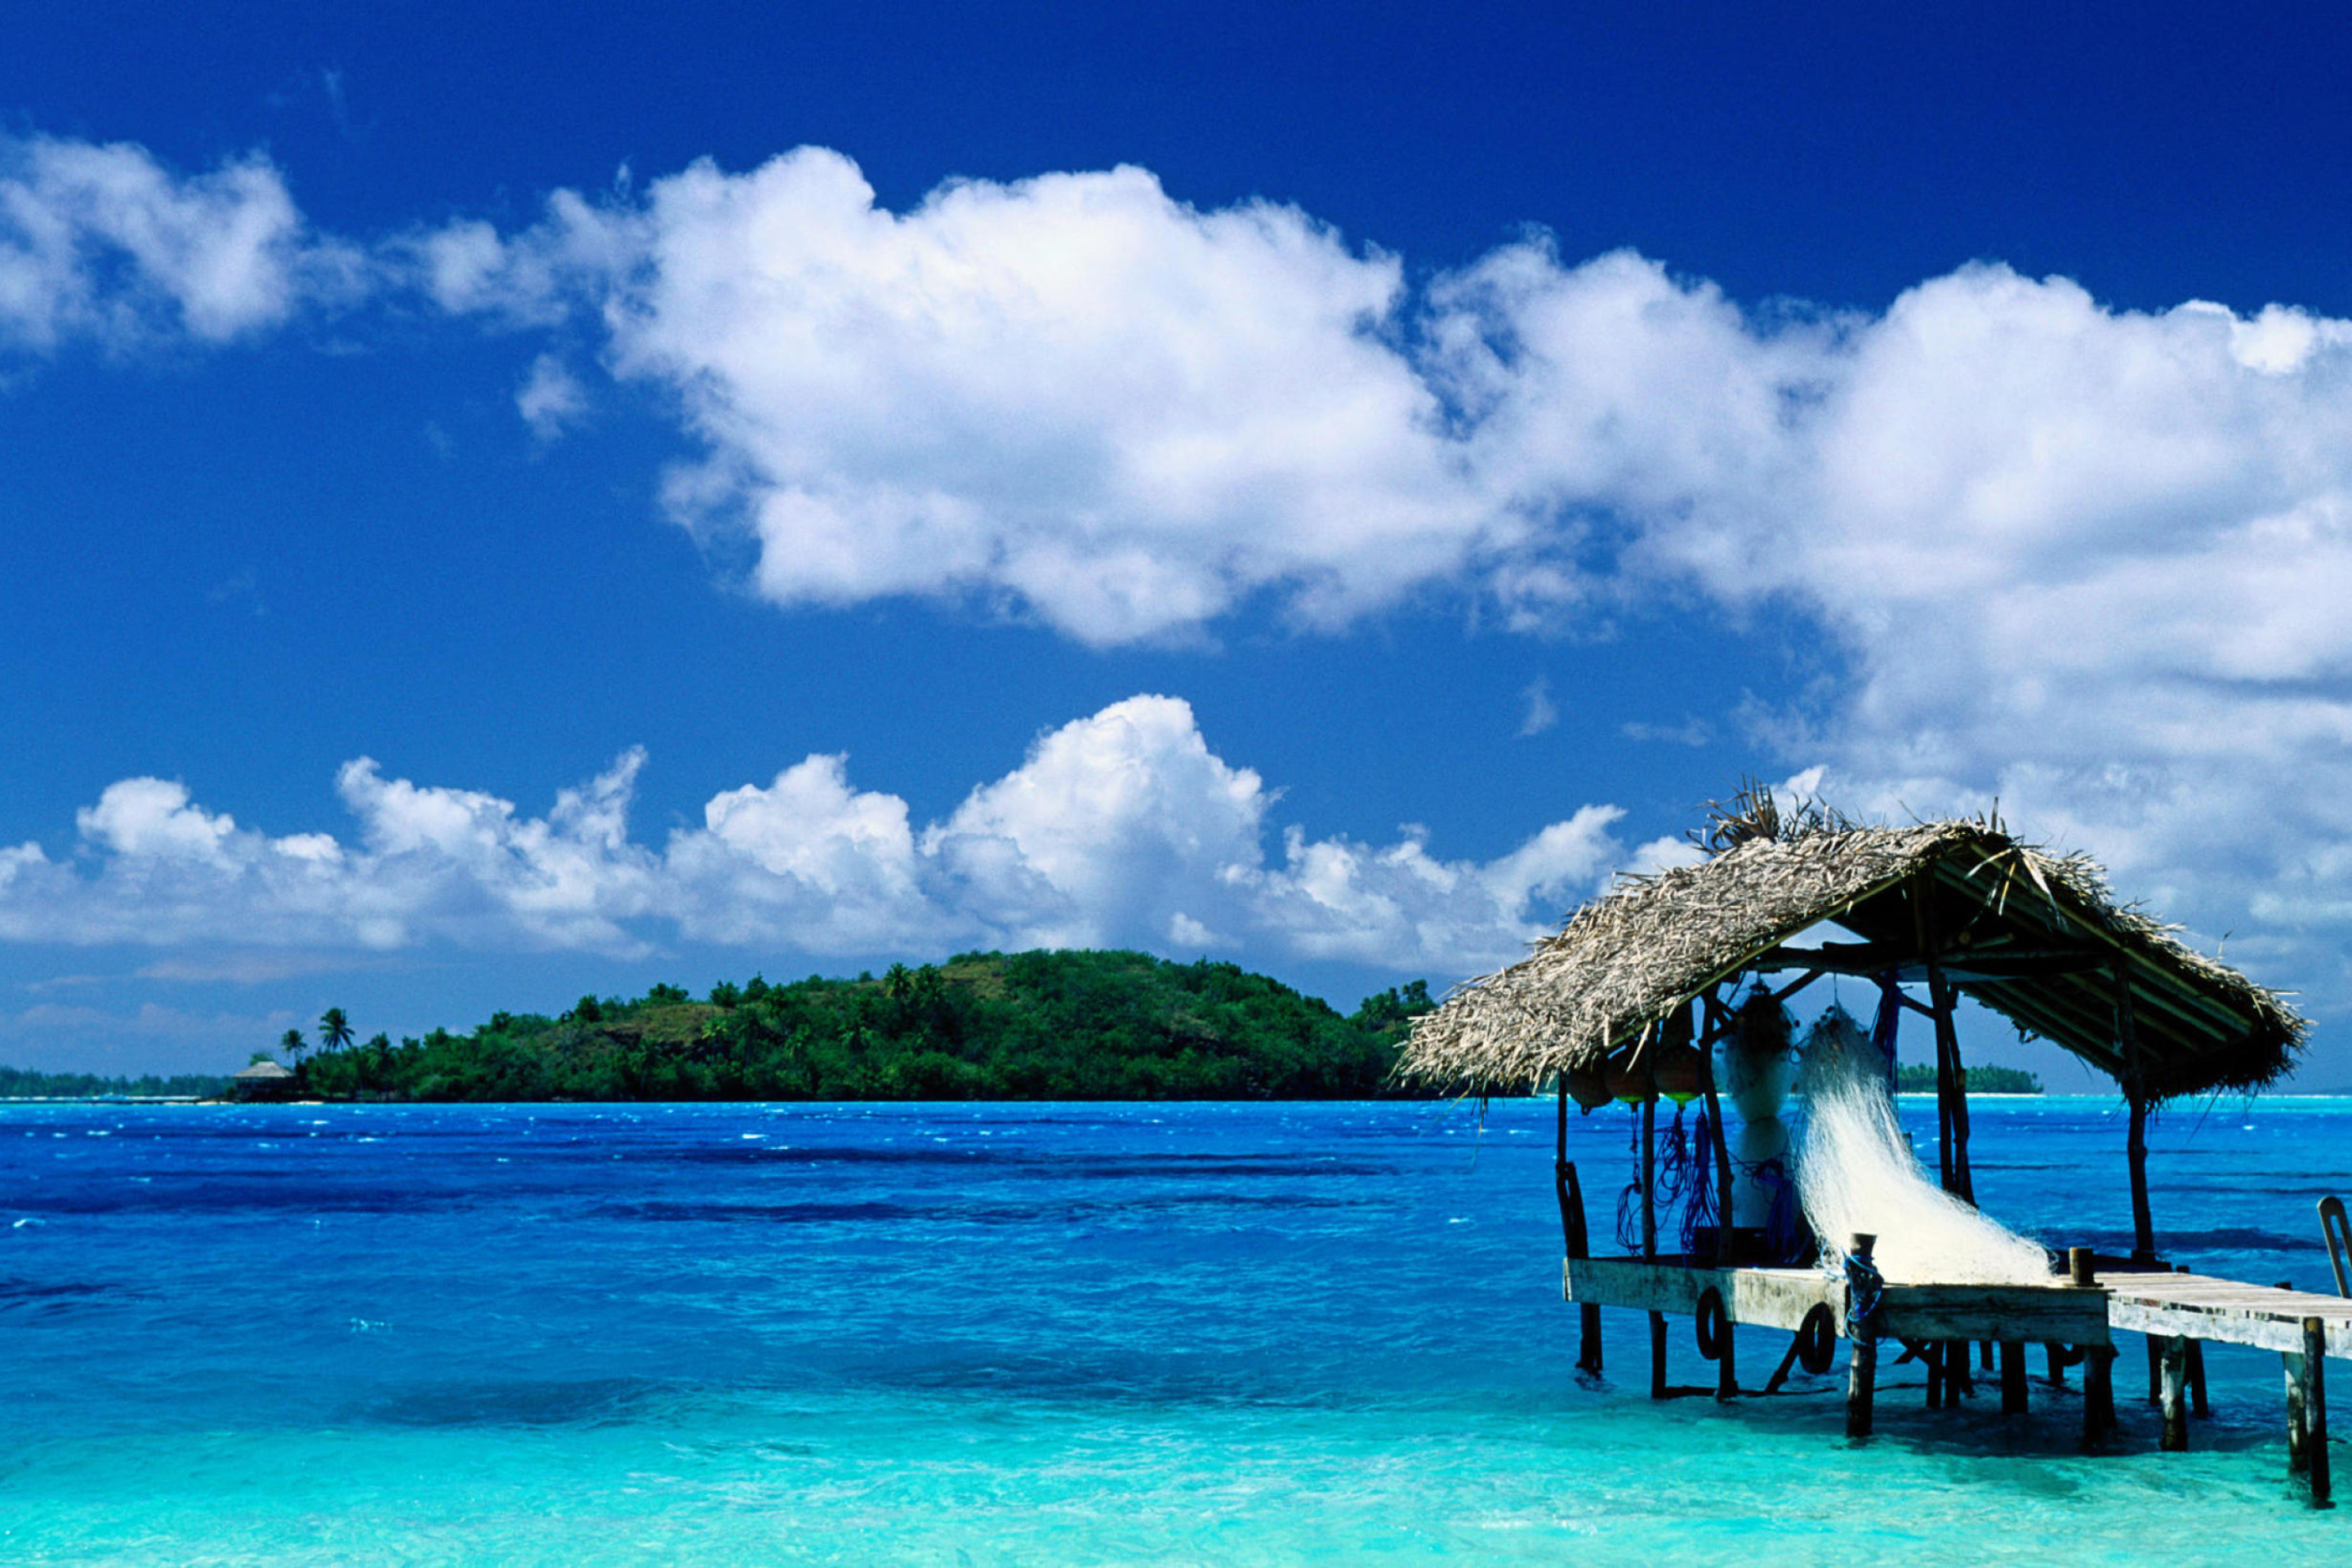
point(982, 1026)
point(1917, 1078)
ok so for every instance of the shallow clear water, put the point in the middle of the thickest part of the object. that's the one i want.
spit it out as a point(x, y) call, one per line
point(1027, 1334)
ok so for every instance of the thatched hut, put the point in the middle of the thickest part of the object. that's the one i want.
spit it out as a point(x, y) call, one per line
point(1646, 980)
point(1962, 906)
point(263, 1080)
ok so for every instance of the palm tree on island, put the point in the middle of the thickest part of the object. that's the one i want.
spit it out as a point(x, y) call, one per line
point(334, 1030)
point(292, 1043)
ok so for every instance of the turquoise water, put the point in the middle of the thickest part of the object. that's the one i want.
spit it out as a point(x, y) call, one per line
point(1026, 1334)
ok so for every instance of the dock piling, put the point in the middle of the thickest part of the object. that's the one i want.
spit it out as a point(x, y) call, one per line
point(2175, 1393)
point(2298, 1436)
point(2012, 1378)
point(1862, 1332)
point(1958, 1383)
point(2306, 1411)
point(2098, 1394)
point(1575, 1238)
point(2199, 1405)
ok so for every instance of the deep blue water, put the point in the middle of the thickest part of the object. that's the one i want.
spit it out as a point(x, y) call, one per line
point(1027, 1334)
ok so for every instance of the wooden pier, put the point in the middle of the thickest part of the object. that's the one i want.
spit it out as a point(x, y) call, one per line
point(1645, 986)
point(2180, 1312)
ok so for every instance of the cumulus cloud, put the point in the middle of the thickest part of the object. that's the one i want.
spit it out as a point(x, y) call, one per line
point(1122, 827)
point(1072, 397)
point(103, 242)
point(2086, 561)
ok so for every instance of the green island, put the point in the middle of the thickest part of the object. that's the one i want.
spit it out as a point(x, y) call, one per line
point(1919, 1077)
point(982, 1026)
point(22, 1083)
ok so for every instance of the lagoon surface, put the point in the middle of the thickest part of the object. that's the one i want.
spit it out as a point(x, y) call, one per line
point(1031, 1334)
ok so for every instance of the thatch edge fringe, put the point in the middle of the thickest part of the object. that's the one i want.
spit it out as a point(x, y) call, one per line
point(1649, 943)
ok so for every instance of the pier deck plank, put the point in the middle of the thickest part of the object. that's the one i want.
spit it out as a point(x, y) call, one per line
point(2230, 1311)
point(2186, 1306)
point(1779, 1298)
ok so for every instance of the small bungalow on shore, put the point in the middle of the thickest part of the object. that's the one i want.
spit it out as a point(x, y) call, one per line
point(263, 1080)
point(1647, 983)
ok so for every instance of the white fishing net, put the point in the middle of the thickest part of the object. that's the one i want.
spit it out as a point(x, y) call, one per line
point(1855, 1171)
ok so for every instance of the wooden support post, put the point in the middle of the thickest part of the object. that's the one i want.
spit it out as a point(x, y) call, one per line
point(1932, 1353)
point(1951, 1084)
point(2099, 1393)
point(2155, 1368)
point(2298, 1435)
point(1683, 1028)
point(2175, 1394)
point(2135, 1145)
point(2199, 1405)
point(2012, 1378)
point(1951, 1078)
point(1650, 1175)
point(1650, 1227)
point(2057, 1355)
point(1862, 1338)
point(1723, 1236)
point(2314, 1383)
point(2136, 1152)
point(1958, 1383)
point(1575, 1238)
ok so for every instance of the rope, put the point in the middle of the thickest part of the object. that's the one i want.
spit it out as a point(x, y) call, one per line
point(1864, 1285)
point(1705, 1207)
point(1890, 1018)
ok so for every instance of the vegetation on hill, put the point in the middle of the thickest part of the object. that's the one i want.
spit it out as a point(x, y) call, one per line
point(20, 1083)
point(982, 1026)
point(1920, 1079)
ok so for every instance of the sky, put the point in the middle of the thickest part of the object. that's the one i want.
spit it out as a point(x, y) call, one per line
point(503, 503)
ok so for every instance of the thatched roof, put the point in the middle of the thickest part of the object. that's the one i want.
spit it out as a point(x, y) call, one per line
point(2035, 937)
point(261, 1072)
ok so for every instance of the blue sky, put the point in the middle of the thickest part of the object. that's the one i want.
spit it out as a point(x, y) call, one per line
point(501, 507)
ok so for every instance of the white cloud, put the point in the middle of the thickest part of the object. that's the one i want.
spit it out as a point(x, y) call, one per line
point(1540, 713)
point(101, 242)
point(2089, 561)
point(1122, 827)
point(551, 399)
point(1072, 395)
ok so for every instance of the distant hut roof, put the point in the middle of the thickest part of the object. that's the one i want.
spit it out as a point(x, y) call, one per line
point(2035, 937)
point(262, 1072)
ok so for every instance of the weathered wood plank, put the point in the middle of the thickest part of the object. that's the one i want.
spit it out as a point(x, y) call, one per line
point(1773, 1297)
point(1779, 1298)
point(2203, 1307)
point(2062, 1312)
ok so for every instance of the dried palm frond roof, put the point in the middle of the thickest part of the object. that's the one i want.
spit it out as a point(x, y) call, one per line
point(2034, 936)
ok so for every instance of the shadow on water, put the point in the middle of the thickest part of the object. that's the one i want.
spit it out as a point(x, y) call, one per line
point(587, 1402)
point(956, 1213)
point(48, 1298)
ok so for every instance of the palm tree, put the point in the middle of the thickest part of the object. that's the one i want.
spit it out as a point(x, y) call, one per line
point(294, 1045)
point(334, 1030)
